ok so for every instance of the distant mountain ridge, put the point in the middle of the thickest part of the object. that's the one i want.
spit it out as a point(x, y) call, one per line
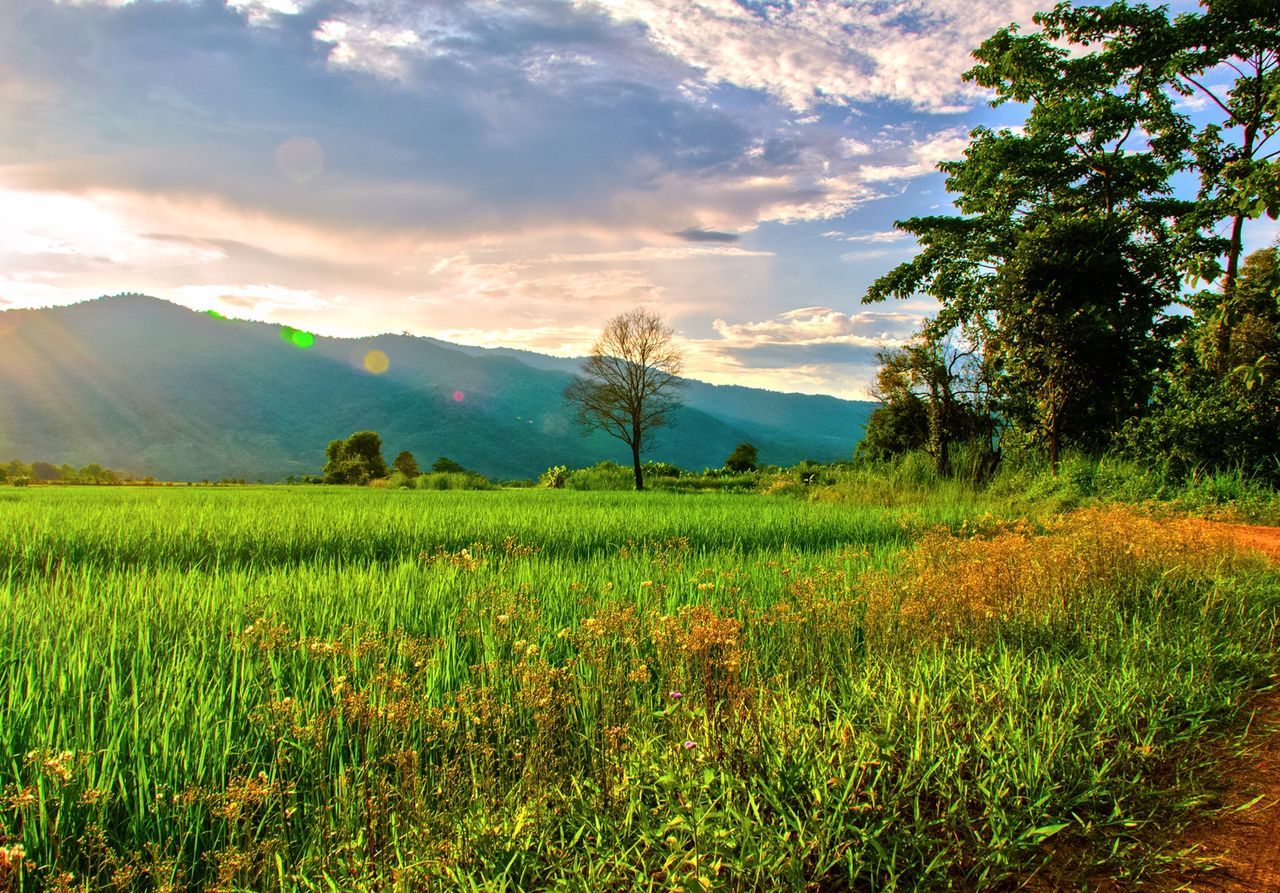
point(144, 385)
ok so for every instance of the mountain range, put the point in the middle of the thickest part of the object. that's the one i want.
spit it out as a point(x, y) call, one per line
point(147, 386)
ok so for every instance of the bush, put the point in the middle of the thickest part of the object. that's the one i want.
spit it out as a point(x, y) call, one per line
point(22, 481)
point(553, 478)
point(440, 480)
point(602, 476)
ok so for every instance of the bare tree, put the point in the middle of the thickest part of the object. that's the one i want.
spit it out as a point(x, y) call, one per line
point(629, 384)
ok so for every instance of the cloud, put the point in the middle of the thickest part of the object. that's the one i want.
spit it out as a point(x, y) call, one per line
point(922, 157)
point(810, 52)
point(692, 234)
point(470, 166)
point(810, 326)
point(263, 301)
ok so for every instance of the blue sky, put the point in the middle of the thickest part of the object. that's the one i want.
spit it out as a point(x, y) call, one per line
point(490, 172)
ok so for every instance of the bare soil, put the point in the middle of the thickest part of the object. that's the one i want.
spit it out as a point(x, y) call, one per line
point(1238, 849)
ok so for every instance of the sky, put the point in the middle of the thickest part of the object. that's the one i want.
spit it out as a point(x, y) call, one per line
point(494, 172)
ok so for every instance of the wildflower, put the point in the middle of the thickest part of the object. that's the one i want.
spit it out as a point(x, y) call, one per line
point(645, 584)
point(675, 695)
point(690, 745)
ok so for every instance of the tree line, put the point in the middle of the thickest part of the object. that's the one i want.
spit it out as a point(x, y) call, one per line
point(19, 473)
point(1084, 303)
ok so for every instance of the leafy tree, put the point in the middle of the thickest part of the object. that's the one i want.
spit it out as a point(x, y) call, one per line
point(1075, 341)
point(1227, 55)
point(445, 465)
point(1077, 181)
point(629, 384)
point(356, 460)
point(743, 458)
point(1200, 419)
point(406, 464)
point(45, 471)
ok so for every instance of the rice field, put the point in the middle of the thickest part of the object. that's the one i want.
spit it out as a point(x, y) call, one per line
point(355, 689)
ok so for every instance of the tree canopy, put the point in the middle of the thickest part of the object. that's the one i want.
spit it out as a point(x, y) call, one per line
point(356, 460)
point(1067, 262)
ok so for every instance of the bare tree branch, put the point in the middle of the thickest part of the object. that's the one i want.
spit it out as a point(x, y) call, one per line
point(630, 383)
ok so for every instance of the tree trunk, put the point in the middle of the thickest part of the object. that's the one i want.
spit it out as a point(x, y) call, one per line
point(1226, 319)
point(938, 444)
point(1053, 444)
point(1053, 435)
point(635, 459)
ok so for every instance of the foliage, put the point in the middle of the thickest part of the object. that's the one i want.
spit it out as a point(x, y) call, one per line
point(447, 466)
point(628, 386)
point(1070, 242)
point(356, 460)
point(743, 458)
point(406, 465)
point(934, 396)
point(1200, 420)
point(553, 478)
point(694, 694)
point(452, 480)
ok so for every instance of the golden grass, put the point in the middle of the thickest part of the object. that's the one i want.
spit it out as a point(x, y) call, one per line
point(993, 572)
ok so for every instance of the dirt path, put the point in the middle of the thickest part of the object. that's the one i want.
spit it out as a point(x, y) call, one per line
point(1262, 539)
point(1238, 850)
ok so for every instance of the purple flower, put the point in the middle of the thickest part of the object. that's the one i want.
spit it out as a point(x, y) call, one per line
point(690, 745)
point(675, 695)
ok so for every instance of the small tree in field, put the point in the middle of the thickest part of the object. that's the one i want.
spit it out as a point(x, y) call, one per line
point(743, 458)
point(356, 460)
point(406, 464)
point(628, 386)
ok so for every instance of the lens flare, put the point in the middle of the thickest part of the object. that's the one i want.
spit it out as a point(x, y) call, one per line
point(298, 338)
point(376, 362)
point(458, 396)
point(300, 159)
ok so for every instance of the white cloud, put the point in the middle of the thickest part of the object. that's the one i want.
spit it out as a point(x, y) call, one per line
point(922, 157)
point(877, 238)
point(265, 301)
point(654, 253)
point(814, 51)
point(808, 326)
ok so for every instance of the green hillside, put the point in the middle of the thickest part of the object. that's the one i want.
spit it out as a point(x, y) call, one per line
point(147, 386)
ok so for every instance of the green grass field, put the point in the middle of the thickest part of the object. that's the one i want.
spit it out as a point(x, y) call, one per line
point(334, 689)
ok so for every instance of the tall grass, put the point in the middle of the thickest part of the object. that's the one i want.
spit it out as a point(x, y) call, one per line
point(347, 689)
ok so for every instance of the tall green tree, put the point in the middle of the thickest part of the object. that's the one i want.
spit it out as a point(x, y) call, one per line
point(355, 460)
point(1073, 305)
point(1224, 59)
point(1088, 175)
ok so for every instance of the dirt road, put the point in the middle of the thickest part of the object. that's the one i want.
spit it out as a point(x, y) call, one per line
point(1239, 851)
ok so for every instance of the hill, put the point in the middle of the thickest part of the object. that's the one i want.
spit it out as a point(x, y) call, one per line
point(154, 388)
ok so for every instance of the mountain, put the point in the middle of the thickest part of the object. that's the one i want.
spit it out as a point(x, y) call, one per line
point(146, 386)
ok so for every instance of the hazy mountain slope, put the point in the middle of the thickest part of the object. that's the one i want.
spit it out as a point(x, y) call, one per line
point(144, 385)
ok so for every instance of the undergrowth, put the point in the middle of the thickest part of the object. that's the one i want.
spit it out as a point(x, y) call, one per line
point(961, 706)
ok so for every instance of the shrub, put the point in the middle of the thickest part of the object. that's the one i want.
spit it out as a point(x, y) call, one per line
point(553, 478)
point(439, 480)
